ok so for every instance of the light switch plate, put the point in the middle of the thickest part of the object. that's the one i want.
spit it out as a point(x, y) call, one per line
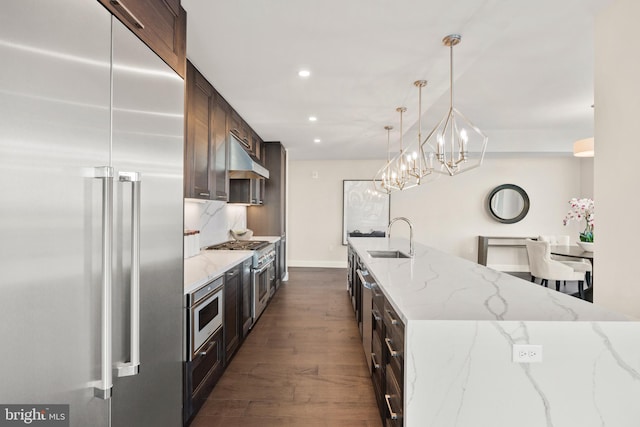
point(527, 353)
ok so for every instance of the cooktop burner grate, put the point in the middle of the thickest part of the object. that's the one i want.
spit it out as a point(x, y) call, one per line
point(239, 245)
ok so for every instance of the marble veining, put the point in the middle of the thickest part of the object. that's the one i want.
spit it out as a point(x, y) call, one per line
point(462, 321)
point(436, 285)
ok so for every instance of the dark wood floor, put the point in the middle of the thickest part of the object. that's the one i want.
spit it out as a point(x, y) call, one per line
point(302, 364)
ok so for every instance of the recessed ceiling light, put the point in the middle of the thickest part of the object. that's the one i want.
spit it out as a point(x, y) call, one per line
point(313, 118)
point(317, 140)
point(304, 73)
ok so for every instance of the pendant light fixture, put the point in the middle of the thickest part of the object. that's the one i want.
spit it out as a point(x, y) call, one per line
point(454, 134)
point(383, 177)
point(419, 164)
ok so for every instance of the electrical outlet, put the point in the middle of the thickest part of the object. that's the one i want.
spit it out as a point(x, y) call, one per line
point(527, 353)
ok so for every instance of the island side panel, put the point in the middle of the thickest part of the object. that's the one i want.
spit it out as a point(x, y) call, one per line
point(461, 373)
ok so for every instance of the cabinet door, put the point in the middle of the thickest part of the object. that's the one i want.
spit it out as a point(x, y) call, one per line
point(256, 145)
point(247, 319)
point(221, 147)
point(232, 312)
point(239, 129)
point(200, 155)
point(161, 24)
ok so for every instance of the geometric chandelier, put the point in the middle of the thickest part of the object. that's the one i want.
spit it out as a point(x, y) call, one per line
point(452, 137)
point(410, 165)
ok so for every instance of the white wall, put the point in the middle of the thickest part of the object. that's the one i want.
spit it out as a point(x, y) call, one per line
point(449, 213)
point(617, 108)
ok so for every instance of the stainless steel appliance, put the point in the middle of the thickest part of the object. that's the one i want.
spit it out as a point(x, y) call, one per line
point(262, 270)
point(91, 177)
point(205, 310)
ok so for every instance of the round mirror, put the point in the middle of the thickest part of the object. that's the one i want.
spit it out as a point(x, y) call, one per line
point(508, 203)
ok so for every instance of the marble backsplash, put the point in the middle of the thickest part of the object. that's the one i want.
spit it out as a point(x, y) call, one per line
point(214, 219)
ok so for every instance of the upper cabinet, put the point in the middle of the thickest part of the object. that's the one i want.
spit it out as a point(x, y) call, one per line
point(161, 24)
point(206, 142)
point(240, 129)
point(270, 219)
point(221, 113)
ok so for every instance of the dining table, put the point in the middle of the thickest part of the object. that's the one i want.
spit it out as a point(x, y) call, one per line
point(575, 251)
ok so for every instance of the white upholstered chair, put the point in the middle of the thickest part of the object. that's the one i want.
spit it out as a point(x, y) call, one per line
point(579, 264)
point(544, 268)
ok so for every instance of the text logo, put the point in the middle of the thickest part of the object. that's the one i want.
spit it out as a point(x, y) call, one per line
point(34, 415)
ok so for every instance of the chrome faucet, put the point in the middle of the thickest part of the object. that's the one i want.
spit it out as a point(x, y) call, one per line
point(401, 218)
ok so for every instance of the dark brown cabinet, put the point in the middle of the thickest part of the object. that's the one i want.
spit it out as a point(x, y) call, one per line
point(207, 144)
point(221, 111)
point(393, 350)
point(240, 129)
point(247, 318)
point(201, 374)
point(232, 311)
point(387, 343)
point(161, 24)
point(199, 136)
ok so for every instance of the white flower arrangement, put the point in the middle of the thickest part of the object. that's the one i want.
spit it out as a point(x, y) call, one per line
point(582, 209)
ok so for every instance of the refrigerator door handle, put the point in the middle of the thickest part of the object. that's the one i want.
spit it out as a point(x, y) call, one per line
point(105, 384)
point(127, 369)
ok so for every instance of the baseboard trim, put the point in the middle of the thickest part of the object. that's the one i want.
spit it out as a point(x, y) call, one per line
point(317, 264)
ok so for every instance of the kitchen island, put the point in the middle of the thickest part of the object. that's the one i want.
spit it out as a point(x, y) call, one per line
point(461, 322)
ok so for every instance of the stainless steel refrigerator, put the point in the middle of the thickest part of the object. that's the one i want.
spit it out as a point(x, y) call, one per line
point(91, 209)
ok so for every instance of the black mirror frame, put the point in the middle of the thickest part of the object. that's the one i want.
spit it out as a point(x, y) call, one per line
point(523, 212)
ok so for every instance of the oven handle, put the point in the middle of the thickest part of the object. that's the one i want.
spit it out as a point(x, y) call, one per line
point(127, 369)
point(261, 269)
point(104, 387)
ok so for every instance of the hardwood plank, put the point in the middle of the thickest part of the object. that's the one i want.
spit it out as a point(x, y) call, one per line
point(301, 365)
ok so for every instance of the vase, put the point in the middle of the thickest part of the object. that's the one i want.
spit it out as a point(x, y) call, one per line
point(586, 246)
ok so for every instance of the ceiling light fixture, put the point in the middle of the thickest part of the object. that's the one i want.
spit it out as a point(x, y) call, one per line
point(453, 135)
point(396, 174)
point(584, 148)
point(313, 118)
point(383, 177)
point(317, 140)
point(420, 165)
point(304, 73)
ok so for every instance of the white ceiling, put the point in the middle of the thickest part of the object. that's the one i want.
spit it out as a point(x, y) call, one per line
point(523, 71)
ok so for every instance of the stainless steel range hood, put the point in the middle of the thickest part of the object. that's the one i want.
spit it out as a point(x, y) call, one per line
point(242, 164)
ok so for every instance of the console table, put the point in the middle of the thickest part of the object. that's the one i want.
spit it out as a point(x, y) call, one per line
point(484, 242)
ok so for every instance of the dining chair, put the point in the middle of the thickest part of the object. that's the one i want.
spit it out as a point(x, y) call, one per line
point(579, 264)
point(544, 268)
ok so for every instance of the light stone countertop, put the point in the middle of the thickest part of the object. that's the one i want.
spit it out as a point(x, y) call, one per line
point(207, 265)
point(434, 285)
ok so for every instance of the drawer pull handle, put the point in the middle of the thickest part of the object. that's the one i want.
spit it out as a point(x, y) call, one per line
point(392, 352)
point(394, 321)
point(129, 16)
point(393, 415)
point(204, 194)
point(373, 361)
point(376, 315)
point(204, 353)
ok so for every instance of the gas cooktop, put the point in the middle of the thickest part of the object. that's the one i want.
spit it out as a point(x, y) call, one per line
point(239, 245)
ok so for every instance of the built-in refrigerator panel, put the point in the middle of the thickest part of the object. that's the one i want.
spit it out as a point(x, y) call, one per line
point(54, 128)
point(148, 135)
point(56, 87)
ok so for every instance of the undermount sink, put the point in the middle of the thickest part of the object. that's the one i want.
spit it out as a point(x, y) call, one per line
point(388, 254)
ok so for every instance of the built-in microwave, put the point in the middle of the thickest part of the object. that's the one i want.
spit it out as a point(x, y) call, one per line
point(205, 307)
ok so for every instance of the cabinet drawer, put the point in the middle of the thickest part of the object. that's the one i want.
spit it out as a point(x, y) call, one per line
point(378, 298)
point(377, 323)
point(393, 401)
